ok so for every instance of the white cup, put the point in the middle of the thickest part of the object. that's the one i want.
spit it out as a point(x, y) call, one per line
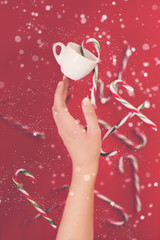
point(72, 63)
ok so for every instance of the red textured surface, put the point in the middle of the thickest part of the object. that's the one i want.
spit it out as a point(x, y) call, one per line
point(31, 87)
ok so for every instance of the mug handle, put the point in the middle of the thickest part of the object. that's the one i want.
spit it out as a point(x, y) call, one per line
point(58, 57)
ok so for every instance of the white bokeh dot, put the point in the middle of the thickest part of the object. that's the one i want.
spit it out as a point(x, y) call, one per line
point(71, 193)
point(1, 84)
point(17, 39)
point(145, 46)
point(48, 8)
point(86, 177)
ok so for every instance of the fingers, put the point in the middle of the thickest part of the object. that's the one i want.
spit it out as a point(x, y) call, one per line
point(90, 116)
point(59, 110)
point(61, 93)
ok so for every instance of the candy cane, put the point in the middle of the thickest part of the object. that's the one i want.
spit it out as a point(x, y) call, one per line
point(122, 121)
point(127, 104)
point(109, 154)
point(134, 163)
point(107, 200)
point(116, 206)
point(123, 138)
point(13, 122)
point(127, 55)
point(98, 195)
point(25, 128)
point(37, 216)
point(95, 70)
point(28, 197)
point(101, 94)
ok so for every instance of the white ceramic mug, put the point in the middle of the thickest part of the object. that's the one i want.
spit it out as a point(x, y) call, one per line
point(71, 61)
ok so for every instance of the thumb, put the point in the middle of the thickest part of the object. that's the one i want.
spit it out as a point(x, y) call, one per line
point(90, 116)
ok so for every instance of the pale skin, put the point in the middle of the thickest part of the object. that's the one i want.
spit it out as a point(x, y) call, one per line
point(84, 147)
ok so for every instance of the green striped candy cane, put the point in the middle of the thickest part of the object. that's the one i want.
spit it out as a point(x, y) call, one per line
point(28, 197)
point(95, 70)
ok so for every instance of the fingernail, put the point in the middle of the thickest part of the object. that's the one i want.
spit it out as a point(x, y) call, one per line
point(64, 77)
point(59, 84)
point(86, 101)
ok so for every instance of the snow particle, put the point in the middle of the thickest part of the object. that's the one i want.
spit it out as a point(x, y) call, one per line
point(86, 177)
point(154, 7)
point(145, 46)
point(104, 18)
point(142, 217)
point(35, 58)
point(17, 39)
point(1, 84)
point(83, 20)
point(71, 193)
point(21, 51)
point(48, 8)
point(78, 169)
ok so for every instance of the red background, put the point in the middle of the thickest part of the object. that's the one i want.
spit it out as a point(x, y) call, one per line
point(29, 82)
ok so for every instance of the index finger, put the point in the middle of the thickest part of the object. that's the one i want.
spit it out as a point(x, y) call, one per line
point(59, 109)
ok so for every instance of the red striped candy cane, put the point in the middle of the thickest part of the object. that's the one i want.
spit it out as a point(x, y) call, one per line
point(37, 216)
point(107, 200)
point(101, 94)
point(100, 196)
point(28, 197)
point(95, 70)
point(127, 104)
point(122, 121)
point(134, 164)
point(22, 127)
point(127, 55)
point(124, 139)
point(116, 206)
point(15, 123)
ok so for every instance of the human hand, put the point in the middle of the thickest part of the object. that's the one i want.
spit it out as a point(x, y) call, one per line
point(83, 145)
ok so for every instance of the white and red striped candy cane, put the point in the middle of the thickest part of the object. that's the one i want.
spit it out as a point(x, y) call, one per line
point(127, 55)
point(52, 207)
point(123, 120)
point(28, 197)
point(22, 127)
point(107, 200)
point(134, 163)
point(101, 93)
point(116, 206)
point(127, 104)
point(123, 138)
point(37, 216)
point(98, 195)
point(95, 70)
point(15, 123)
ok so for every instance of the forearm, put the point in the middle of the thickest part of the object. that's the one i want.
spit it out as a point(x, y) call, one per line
point(77, 219)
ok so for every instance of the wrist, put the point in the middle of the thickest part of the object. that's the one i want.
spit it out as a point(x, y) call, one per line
point(84, 174)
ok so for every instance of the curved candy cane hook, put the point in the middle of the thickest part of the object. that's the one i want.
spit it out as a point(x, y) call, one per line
point(107, 200)
point(134, 164)
point(127, 55)
point(122, 121)
point(127, 104)
point(123, 138)
point(95, 70)
point(104, 198)
point(116, 206)
point(28, 197)
point(101, 94)
point(52, 207)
